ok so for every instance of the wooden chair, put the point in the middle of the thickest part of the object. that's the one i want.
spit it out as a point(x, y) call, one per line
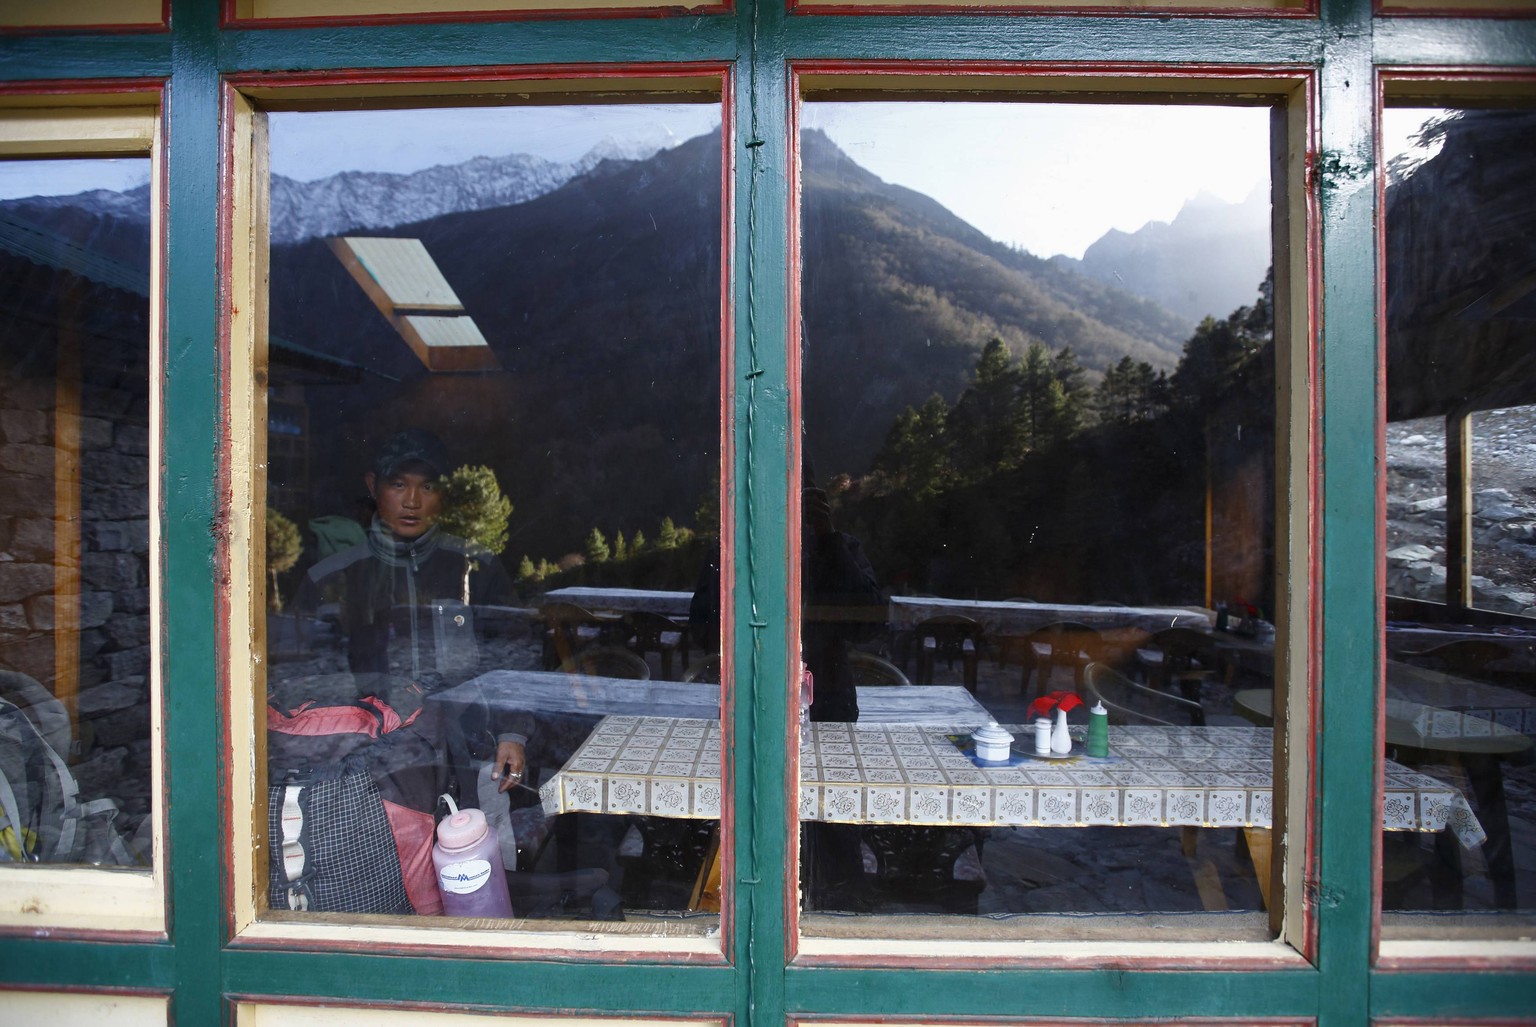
point(949, 637)
point(1129, 702)
point(654, 633)
point(568, 628)
point(607, 661)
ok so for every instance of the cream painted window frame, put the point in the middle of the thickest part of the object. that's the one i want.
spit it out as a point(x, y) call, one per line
point(272, 1014)
point(77, 900)
point(84, 14)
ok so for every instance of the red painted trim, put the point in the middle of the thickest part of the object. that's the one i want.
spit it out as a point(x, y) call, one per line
point(47, 932)
point(231, 786)
point(1490, 76)
point(1386, 10)
point(123, 28)
point(792, 875)
point(727, 536)
point(321, 1002)
point(1307, 335)
point(228, 18)
point(86, 989)
point(1050, 10)
point(150, 88)
point(1311, 332)
point(1379, 625)
point(501, 73)
point(1054, 1021)
point(1056, 70)
point(1385, 77)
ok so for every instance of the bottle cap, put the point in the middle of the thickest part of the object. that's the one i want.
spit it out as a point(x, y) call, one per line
point(461, 829)
point(1099, 710)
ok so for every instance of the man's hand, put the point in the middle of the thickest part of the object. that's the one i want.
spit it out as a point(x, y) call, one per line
point(508, 768)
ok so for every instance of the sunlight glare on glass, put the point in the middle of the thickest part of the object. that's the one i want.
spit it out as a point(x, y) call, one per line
point(1052, 178)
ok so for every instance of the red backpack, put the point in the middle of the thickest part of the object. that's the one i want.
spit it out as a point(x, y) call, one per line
point(351, 799)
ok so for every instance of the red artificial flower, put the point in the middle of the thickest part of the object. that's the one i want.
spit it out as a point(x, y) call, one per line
point(1062, 700)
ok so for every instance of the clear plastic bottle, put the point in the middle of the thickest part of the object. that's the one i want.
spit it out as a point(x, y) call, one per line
point(807, 696)
point(470, 874)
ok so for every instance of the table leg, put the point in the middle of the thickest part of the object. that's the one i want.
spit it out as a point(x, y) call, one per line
point(1487, 780)
point(1260, 840)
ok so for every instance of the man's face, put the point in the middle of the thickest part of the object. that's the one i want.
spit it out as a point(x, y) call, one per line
point(409, 501)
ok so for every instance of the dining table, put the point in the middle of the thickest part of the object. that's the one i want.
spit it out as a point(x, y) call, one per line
point(919, 774)
point(1479, 737)
point(1016, 617)
point(670, 604)
point(566, 707)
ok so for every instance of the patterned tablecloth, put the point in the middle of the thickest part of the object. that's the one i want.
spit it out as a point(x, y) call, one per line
point(913, 774)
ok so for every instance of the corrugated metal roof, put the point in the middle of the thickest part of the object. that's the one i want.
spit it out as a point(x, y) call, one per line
point(405, 271)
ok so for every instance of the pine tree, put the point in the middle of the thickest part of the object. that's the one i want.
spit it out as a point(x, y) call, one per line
point(474, 508)
point(986, 423)
point(620, 547)
point(637, 544)
point(667, 537)
point(526, 571)
point(596, 548)
point(284, 544)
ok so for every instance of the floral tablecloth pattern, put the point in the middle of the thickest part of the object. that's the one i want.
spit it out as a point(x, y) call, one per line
point(914, 774)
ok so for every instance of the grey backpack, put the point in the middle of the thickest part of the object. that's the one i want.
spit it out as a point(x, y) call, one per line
point(42, 819)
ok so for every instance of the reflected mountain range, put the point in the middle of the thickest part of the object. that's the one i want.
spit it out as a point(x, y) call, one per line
point(600, 297)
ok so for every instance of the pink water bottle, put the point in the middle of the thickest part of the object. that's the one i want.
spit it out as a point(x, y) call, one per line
point(470, 875)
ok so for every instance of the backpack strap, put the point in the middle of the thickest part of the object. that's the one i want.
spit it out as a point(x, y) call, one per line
point(13, 835)
point(291, 820)
point(69, 789)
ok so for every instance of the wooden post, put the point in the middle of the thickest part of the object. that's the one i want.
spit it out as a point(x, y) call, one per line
point(1458, 515)
point(66, 506)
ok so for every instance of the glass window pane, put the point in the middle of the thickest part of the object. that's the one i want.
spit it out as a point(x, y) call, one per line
point(493, 457)
point(1461, 617)
point(1040, 443)
point(75, 749)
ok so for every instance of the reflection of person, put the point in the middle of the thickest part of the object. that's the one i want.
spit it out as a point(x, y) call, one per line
point(843, 605)
point(406, 594)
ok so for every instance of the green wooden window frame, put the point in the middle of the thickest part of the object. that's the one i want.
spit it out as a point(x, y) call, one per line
point(1347, 46)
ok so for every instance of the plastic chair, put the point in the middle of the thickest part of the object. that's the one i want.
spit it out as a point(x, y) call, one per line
point(1466, 657)
point(949, 637)
point(869, 669)
point(1181, 656)
point(704, 672)
point(1129, 702)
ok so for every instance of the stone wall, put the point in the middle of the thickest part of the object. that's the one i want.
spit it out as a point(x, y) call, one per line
point(113, 748)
